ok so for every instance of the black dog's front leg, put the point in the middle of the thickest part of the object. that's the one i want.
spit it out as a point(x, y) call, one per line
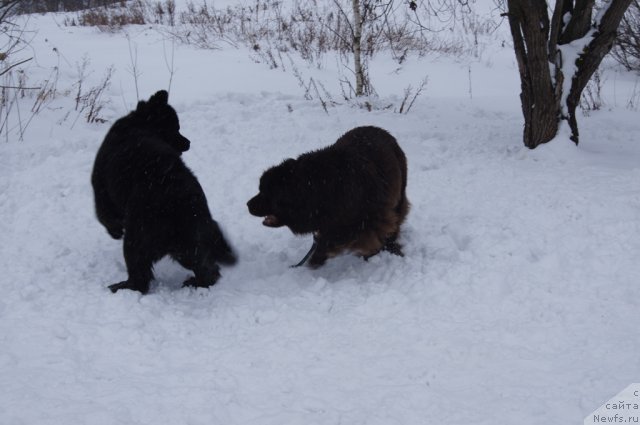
point(139, 261)
point(141, 287)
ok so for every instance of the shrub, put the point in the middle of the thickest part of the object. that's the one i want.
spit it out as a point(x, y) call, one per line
point(627, 48)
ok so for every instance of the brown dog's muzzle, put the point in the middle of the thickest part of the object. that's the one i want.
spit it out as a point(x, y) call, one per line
point(258, 207)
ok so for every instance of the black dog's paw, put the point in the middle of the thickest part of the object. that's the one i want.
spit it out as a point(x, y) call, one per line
point(128, 285)
point(193, 282)
point(117, 286)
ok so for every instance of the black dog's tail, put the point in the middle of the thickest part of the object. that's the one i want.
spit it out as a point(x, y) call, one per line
point(222, 251)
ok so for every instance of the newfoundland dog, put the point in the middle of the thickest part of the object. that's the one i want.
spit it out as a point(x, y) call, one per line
point(350, 195)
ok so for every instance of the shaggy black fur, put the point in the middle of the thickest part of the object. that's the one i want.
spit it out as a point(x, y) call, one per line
point(350, 195)
point(144, 192)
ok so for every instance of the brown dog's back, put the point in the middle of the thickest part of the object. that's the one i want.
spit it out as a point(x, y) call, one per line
point(386, 175)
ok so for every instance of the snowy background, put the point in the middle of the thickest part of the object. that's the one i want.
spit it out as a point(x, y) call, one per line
point(517, 301)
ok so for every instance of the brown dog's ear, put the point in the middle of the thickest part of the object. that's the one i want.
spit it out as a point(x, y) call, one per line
point(160, 98)
point(142, 105)
point(291, 165)
point(288, 164)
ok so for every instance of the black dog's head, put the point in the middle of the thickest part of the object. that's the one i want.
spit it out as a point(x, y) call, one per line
point(159, 117)
point(282, 199)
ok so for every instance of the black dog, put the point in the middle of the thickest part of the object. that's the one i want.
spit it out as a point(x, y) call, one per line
point(145, 192)
point(350, 195)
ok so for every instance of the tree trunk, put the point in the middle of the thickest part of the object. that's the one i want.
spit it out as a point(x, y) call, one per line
point(538, 47)
point(529, 24)
point(588, 62)
point(357, 47)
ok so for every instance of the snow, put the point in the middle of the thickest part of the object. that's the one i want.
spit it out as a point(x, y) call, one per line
point(516, 302)
point(570, 53)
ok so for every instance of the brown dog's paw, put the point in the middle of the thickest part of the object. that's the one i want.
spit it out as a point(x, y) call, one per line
point(317, 260)
point(393, 248)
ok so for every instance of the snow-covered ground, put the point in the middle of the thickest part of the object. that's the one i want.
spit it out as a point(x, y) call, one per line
point(517, 301)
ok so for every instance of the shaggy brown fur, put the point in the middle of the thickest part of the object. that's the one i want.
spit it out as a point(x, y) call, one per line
point(350, 195)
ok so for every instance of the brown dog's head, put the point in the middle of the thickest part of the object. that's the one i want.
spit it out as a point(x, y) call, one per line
point(282, 199)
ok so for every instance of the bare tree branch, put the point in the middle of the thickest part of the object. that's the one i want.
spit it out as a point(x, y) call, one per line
point(13, 65)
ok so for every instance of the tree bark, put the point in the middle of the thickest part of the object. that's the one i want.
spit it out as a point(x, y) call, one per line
point(589, 61)
point(357, 47)
point(540, 63)
point(529, 24)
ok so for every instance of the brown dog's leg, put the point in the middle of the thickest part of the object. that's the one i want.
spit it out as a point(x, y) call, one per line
point(324, 249)
point(318, 258)
point(393, 247)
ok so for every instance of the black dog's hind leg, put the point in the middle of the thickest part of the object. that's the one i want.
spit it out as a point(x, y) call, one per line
point(204, 277)
point(205, 269)
point(139, 260)
point(200, 248)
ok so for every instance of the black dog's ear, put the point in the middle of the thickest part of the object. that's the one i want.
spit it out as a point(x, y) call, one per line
point(144, 111)
point(160, 98)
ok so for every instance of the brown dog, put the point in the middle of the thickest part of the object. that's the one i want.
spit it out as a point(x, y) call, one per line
point(350, 195)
